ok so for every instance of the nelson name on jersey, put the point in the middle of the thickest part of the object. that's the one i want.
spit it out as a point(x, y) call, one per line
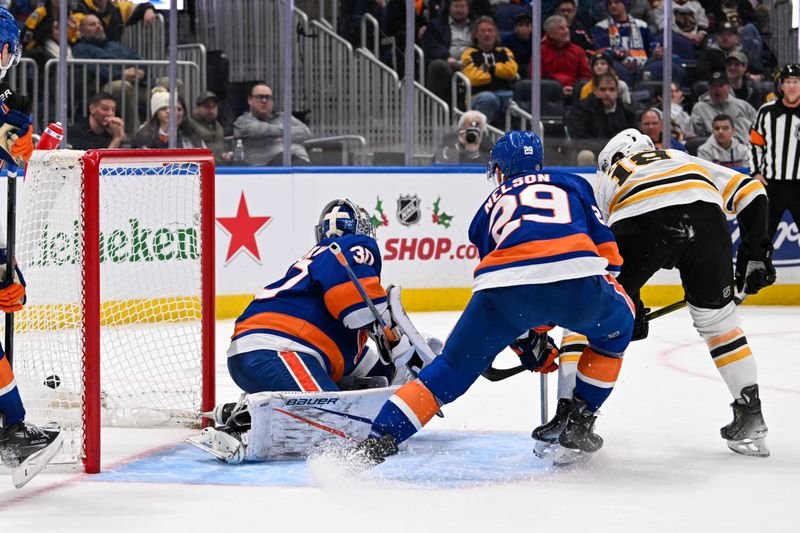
point(540, 228)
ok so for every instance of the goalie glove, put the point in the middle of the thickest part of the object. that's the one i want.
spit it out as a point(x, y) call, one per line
point(753, 273)
point(537, 351)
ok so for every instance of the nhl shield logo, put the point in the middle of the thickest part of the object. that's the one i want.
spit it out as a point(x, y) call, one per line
point(408, 210)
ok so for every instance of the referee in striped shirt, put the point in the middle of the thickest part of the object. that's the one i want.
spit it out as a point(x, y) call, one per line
point(775, 148)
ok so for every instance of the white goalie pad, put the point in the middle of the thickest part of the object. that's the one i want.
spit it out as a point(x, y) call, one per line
point(287, 425)
point(405, 327)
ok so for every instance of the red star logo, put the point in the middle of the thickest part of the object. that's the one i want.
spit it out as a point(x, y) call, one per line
point(243, 229)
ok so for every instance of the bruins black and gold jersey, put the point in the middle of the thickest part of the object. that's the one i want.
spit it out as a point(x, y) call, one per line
point(647, 181)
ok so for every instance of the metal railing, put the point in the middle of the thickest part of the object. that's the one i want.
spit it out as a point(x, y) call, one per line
point(366, 21)
point(150, 42)
point(195, 53)
point(86, 77)
point(24, 79)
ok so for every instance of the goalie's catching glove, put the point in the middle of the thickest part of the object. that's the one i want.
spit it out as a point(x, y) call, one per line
point(537, 352)
point(753, 273)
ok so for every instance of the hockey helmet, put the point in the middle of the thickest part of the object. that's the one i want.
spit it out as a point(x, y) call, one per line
point(623, 144)
point(792, 70)
point(515, 153)
point(341, 217)
point(9, 35)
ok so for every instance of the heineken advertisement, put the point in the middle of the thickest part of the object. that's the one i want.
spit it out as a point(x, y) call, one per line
point(134, 243)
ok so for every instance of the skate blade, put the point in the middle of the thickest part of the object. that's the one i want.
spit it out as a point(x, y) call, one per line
point(750, 447)
point(207, 442)
point(569, 456)
point(543, 450)
point(27, 470)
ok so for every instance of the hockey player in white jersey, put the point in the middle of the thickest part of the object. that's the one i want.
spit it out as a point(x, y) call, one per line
point(668, 209)
point(24, 447)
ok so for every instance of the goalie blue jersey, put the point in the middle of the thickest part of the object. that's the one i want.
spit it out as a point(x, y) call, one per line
point(540, 228)
point(315, 308)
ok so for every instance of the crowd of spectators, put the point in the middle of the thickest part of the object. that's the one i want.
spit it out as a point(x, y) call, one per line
point(722, 65)
point(606, 56)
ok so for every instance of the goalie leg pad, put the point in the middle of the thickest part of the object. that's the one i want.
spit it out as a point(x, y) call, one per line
point(288, 425)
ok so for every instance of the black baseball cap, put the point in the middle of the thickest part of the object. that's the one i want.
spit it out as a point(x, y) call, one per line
point(729, 27)
point(718, 78)
point(522, 18)
point(208, 95)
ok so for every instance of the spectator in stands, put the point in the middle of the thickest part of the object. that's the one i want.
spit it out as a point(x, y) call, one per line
point(726, 41)
point(719, 101)
point(602, 115)
point(155, 132)
point(722, 147)
point(519, 42)
point(743, 87)
point(39, 24)
point(626, 38)
point(561, 60)
point(204, 121)
point(578, 34)
point(689, 19)
point(651, 124)
point(601, 64)
point(117, 15)
point(443, 43)
point(491, 69)
point(101, 128)
point(21, 9)
point(469, 145)
point(261, 131)
point(742, 14)
point(95, 45)
point(681, 120)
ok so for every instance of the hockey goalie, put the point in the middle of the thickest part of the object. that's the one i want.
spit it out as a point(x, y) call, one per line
point(300, 352)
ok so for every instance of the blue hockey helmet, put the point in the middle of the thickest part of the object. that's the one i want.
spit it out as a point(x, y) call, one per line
point(341, 217)
point(9, 35)
point(515, 153)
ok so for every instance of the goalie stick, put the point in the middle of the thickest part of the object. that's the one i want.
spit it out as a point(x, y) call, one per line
point(11, 241)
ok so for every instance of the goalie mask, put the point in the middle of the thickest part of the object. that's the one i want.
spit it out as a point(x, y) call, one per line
point(342, 217)
point(10, 48)
point(623, 144)
point(515, 153)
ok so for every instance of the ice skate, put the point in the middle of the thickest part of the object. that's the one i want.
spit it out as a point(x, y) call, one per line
point(223, 443)
point(747, 433)
point(232, 415)
point(546, 435)
point(27, 449)
point(578, 441)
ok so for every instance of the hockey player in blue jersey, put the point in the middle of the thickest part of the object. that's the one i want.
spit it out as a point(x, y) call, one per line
point(542, 244)
point(24, 447)
point(307, 333)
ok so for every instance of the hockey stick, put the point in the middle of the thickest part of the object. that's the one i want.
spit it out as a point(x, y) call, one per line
point(388, 332)
point(336, 250)
point(11, 241)
point(499, 374)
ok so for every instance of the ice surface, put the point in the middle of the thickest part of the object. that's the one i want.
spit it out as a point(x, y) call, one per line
point(663, 468)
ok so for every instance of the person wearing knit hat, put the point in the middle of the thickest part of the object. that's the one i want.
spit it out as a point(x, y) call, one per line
point(626, 38)
point(155, 132)
point(600, 63)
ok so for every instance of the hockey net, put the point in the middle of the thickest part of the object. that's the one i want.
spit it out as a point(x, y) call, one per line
point(116, 247)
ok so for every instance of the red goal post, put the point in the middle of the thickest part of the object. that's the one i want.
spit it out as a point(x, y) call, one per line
point(132, 342)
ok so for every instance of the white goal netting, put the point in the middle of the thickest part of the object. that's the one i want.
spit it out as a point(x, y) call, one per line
point(150, 294)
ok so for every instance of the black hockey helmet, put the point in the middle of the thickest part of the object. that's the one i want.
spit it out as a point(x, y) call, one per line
point(792, 70)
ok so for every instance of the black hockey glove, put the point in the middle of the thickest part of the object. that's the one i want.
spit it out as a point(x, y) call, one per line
point(537, 352)
point(640, 325)
point(753, 273)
